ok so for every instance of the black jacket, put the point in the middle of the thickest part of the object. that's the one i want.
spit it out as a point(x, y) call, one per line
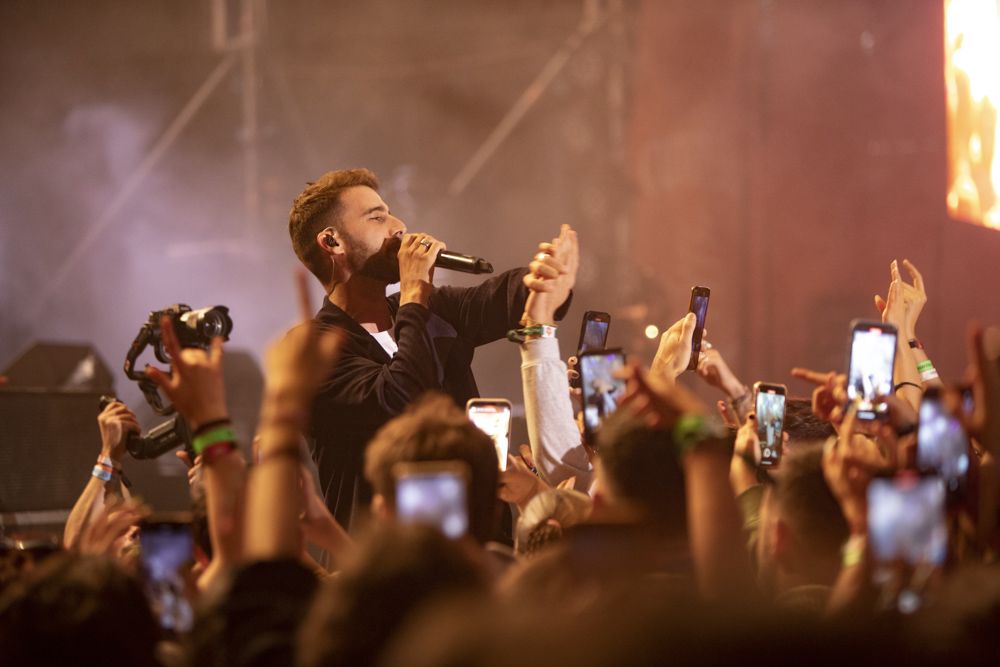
point(368, 387)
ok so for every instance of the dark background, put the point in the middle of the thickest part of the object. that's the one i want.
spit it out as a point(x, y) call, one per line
point(780, 152)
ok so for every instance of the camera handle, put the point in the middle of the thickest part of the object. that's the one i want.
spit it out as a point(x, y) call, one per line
point(149, 389)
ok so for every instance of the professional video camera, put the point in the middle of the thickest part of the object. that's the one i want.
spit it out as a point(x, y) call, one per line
point(194, 328)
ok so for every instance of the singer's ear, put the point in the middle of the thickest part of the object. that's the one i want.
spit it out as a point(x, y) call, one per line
point(328, 241)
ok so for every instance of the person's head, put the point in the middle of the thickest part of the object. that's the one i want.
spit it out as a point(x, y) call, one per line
point(639, 476)
point(802, 527)
point(435, 429)
point(340, 227)
point(395, 572)
point(802, 426)
point(79, 610)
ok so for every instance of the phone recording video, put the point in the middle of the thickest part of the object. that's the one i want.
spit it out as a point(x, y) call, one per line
point(942, 445)
point(492, 417)
point(594, 331)
point(908, 536)
point(601, 388)
point(433, 493)
point(870, 371)
point(770, 415)
point(167, 553)
point(698, 306)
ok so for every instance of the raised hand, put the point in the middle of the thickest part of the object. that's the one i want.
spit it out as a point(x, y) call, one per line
point(985, 370)
point(849, 463)
point(904, 301)
point(195, 384)
point(658, 402)
point(674, 353)
point(830, 395)
point(116, 421)
point(296, 365)
point(714, 370)
point(551, 276)
point(106, 532)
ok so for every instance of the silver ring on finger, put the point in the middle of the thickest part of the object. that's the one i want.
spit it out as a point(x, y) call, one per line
point(426, 244)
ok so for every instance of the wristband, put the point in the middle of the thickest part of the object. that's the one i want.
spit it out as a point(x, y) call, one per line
point(208, 426)
point(691, 430)
point(906, 384)
point(294, 453)
point(927, 376)
point(925, 365)
point(535, 331)
point(216, 451)
point(218, 434)
point(101, 474)
point(853, 551)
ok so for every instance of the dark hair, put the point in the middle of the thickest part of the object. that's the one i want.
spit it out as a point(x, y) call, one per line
point(435, 429)
point(317, 207)
point(79, 610)
point(640, 465)
point(806, 502)
point(396, 571)
point(802, 425)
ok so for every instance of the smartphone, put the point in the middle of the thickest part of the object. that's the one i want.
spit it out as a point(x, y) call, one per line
point(434, 493)
point(594, 331)
point(492, 416)
point(870, 367)
point(769, 400)
point(601, 388)
point(942, 445)
point(698, 306)
point(166, 554)
point(908, 536)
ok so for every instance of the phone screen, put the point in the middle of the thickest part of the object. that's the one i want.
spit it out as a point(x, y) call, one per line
point(770, 415)
point(699, 306)
point(906, 519)
point(942, 445)
point(873, 352)
point(493, 419)
point(595, 333)
point(601, 389)
point(167, 550)
point(435, 497)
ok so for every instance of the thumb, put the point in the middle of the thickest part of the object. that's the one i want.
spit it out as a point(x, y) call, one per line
point(879, 304)
point(161, 379)
point(687, 328)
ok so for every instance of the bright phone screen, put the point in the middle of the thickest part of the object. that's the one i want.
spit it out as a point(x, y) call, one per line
point(770, 414)
point(906, 520)
point(942, 445)
point(595, 335)
point(167, 550)
point(436, 498)
point(873, 352)
point(601, 389)
point(493, 419)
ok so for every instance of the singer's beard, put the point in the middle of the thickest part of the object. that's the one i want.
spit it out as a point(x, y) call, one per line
point(381, 265)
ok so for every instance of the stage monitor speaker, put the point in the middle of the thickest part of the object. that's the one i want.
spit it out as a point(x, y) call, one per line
point(48, 444)
point(63, 366)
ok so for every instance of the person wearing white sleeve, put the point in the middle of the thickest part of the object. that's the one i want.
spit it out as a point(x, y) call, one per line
point(552, 431)
point(556, 446)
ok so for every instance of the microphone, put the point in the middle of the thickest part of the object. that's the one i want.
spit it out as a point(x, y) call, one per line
point(464, 263)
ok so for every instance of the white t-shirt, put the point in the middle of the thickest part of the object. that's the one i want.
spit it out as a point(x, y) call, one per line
point(387, 342)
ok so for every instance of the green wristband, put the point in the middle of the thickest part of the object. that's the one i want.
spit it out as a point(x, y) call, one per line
point(925, 365)
point(688, 432)
point(209, 438)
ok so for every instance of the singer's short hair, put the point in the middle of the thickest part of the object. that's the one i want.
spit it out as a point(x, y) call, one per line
point(318, 207)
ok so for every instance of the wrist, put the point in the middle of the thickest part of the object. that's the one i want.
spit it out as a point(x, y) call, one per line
point(415, 292)
point(735, 389)
point(208, 416)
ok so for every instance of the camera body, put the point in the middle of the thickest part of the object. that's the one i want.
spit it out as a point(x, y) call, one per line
point(194, 328)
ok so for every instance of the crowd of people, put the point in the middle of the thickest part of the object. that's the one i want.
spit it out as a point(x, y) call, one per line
point(660, 540)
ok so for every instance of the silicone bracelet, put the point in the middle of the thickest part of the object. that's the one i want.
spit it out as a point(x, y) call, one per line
point(216, 451)
point(924, 365)
point(101, 474)
point(218, 434)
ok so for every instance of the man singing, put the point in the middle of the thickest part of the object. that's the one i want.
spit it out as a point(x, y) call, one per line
point(395, 347)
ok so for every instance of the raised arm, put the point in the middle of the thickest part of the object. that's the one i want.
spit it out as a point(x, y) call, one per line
point(552, 431)
point(196, 389)
point(116, 421)
point(295, 366)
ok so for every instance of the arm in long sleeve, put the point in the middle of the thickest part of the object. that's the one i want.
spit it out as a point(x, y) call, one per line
point(391, 386)
point(555, 439)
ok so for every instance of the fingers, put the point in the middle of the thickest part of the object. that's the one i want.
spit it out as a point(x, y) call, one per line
point(569, 483)
point(170, 342)
point(161, 379)
point(215, 351)
point(894, 271)
point(915, 275)
point(847, 425)
point(879, 304)
point(525, 451)
point(185, 458)
point(302, 288)
point(815, 377)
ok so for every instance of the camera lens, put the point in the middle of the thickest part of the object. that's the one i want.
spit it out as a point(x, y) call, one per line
point(208, 323)
point(212, 325)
